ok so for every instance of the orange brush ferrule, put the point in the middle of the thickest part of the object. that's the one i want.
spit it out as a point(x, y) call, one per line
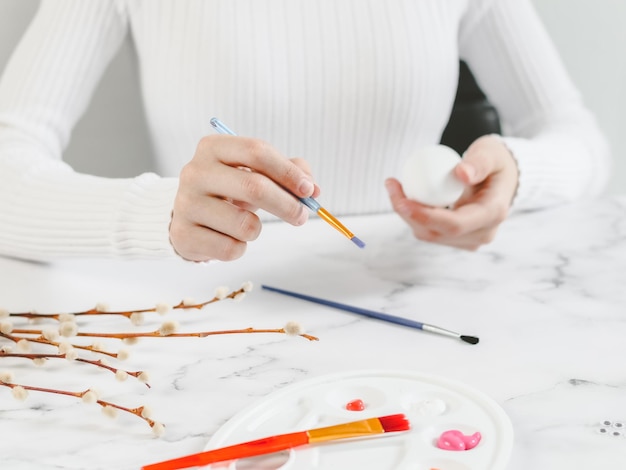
point(280, 442)
point(332, 220)
point(347, 430)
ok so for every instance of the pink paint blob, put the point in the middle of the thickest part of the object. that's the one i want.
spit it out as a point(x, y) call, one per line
point(355, 405)
point(456, 440)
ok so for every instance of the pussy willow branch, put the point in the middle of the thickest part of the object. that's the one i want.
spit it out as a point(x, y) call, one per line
point(139, 411)
point(42, 340)
point(204, 334)
point(152, 334)
point(68, 328)
point(96, 363)
point(62, 317)
point(128, 313)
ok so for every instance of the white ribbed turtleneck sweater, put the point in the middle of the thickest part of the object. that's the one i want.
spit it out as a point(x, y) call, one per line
point(353, 86)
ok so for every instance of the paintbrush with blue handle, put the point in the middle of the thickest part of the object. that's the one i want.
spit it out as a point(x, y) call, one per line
point(311, 203)
point(377, 315)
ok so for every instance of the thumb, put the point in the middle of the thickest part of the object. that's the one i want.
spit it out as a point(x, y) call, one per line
point(479, 161)
point(469, 173)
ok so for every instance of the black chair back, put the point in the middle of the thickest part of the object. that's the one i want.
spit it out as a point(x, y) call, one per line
point(472, 114)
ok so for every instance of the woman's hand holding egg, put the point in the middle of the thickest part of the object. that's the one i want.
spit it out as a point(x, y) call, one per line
point(478, 189)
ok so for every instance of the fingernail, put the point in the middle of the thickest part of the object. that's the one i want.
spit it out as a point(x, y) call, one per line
point(306, 188)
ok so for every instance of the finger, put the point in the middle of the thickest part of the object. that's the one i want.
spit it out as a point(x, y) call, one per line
point(486, 155)
point(465, 219)
point(227, 218)
point(244, 205)
point(406, 208)
point(466, 172)
point(262, 158)
point(256, 190)
point(304, 165)
point(416, 215)
point(475, 167)
point(199, 243)
point(466, 241)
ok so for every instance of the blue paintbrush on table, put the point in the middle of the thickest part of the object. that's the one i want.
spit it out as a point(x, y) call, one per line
point(377, 315)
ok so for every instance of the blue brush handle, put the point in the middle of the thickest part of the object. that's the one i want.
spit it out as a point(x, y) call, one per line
point(222, 128)
point(310, 203)
point(348, 308)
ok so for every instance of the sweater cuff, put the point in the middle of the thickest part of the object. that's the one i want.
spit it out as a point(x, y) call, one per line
point(547, 176)
point(142, 225)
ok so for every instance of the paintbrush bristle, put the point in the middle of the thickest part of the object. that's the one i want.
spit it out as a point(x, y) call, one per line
point(470, 339)
point(394, 423)
point(357, 242)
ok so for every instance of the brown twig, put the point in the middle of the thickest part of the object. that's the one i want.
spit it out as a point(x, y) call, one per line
point(156, 333)
point(139, 374)
point(42, 340)
point(127, 313)
point(86, 395)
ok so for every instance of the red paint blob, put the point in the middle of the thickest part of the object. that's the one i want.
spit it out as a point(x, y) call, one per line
point(355, 405)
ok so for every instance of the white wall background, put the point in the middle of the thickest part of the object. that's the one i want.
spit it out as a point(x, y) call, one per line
point(113, 126)
point(591, 36)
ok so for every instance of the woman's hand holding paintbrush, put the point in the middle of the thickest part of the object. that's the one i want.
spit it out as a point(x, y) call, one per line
point(214, 211)
point(222, 187)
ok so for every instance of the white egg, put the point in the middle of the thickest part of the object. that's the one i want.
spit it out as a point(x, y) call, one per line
point(428, 178)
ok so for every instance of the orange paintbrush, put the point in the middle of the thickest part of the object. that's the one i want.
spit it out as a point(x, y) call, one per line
point(268, 445)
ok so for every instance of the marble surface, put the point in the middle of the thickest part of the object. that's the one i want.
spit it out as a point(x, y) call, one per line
point(547, 299)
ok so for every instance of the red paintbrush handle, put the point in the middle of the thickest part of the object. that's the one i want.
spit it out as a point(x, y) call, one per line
point(238, 451)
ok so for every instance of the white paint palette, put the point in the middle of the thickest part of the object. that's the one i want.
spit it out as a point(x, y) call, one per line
point(431, 404)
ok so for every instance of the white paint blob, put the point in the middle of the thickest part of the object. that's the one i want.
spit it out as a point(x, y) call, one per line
point(427, 176)
point(433, 407)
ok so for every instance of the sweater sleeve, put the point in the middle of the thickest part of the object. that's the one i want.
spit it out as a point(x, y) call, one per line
point(47, 210)
point(561, 153)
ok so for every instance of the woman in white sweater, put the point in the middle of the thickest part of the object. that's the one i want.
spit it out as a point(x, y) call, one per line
point(351, 86)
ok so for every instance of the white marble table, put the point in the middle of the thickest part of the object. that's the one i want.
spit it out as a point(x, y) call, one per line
point(547, 299)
